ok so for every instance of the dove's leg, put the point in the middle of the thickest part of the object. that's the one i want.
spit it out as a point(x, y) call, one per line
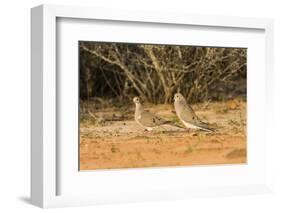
point(148, 130)
point(188, 130)
point(163, 129)
point(191, 131)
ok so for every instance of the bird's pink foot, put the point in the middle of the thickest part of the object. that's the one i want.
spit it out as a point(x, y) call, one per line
point(188, 130)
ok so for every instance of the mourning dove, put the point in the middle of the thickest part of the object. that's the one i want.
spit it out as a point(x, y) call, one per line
point(146, 119)
point(187, 116)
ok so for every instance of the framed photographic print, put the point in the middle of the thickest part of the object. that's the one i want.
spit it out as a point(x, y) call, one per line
point(130, 106)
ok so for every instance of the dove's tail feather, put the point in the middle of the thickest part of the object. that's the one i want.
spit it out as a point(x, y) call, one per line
point(206, 128)
point(173, 124)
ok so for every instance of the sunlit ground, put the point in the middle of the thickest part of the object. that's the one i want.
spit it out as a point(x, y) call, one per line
point(111, 139)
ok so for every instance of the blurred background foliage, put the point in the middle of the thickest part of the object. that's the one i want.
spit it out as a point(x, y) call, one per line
point(120, 71)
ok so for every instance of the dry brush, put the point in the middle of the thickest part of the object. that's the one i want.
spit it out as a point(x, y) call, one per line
point(155, 72)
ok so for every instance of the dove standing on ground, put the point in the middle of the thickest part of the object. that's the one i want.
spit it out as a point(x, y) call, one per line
point(187, 116)
point(145, 118)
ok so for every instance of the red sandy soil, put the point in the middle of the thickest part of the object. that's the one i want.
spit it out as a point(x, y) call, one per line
point(123, 144)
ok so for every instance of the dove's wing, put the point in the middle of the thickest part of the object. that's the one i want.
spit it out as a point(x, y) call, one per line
point(150, 120)
point(187, 115)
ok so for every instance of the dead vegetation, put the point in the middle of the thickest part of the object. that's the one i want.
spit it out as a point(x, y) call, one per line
point(156, 72)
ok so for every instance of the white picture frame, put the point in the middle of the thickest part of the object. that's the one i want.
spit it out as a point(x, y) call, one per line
point(45, 178)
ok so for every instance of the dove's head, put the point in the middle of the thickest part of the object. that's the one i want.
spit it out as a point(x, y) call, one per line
point(179, 97)
point(136, 100)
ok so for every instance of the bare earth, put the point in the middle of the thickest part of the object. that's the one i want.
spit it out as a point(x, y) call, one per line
point(123, 144)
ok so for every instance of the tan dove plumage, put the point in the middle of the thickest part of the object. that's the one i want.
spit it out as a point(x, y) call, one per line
point(187, 116)
point(146, 119)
